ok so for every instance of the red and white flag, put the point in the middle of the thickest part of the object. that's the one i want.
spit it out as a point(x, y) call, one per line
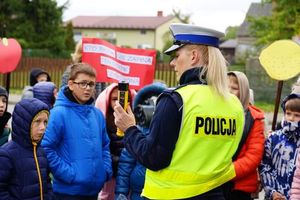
point(116, 64)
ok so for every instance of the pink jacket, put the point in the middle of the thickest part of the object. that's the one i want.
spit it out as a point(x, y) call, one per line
point(295, 190)
point(116, 144)
point(102, 101)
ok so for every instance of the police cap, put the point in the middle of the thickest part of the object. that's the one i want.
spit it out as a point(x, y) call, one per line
point(192, 34)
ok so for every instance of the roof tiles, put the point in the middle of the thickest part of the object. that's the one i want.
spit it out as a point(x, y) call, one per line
point(119, 22)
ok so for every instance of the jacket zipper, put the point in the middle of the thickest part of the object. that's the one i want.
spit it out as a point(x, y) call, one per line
point(38, 170)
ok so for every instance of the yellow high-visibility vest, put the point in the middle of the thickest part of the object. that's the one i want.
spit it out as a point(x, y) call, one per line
point(211, 129)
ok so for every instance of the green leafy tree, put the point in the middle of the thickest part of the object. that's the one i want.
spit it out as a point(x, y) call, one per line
point(10, 12)
point(69, 41)
point(231, 32)
point(183, 18)
point(284, 23)
point(36, 24)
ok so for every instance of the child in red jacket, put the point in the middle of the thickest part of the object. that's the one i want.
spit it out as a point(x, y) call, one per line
point(250, 150)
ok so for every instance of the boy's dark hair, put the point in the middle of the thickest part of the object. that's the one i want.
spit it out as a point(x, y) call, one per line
point(293, 105)
point(291, 102)
point(84, 68)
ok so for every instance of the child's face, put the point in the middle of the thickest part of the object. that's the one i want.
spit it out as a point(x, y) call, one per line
point(113, 98)
point(38, 126)
point(233, 86)
point(42, 77)
point(82, 87)
point(292, 116)
point(3, 104)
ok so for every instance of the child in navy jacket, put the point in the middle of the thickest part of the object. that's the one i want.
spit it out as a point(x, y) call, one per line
point(24, 170)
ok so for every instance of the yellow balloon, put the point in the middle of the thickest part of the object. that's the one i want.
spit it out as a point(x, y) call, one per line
point(281, 59)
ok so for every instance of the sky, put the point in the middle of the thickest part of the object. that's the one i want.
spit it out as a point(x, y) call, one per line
point(215, 14)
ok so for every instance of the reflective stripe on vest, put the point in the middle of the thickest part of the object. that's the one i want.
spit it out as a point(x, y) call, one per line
point(211, 129)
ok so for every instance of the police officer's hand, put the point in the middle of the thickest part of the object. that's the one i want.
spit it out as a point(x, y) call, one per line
point(278, 196)
point(123, 120)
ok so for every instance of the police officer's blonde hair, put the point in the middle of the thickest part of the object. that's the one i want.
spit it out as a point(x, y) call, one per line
point(77, 55)
point(214, 69)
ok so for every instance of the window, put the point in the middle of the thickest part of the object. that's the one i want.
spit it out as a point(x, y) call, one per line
point(77, 36)
point(143, 32)
point(110, 37)
point(144, 46)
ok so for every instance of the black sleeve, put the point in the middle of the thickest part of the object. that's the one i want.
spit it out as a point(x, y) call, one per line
point(155, 150)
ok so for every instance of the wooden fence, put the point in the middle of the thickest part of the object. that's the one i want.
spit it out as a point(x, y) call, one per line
point(55, 67)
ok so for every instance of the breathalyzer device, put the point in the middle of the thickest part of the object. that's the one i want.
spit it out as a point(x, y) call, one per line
point(123, 89)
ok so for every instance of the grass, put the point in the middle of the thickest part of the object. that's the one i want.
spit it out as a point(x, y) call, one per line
point(265, 106)
point(15, 91)
point(236, 67)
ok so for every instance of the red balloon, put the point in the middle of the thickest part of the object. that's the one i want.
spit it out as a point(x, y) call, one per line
point(10, 54)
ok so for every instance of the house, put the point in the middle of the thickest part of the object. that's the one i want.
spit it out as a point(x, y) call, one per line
point(126, 31)
point(228, 49)
point(245, 42)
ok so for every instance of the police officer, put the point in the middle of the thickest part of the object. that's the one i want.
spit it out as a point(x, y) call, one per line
point(196, 127)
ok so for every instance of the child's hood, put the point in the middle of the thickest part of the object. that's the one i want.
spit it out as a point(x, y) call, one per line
point(102, 101)
point(35, 72)
point(23, 114)
point(148, 91)
point(3, 92)
point(44, 91)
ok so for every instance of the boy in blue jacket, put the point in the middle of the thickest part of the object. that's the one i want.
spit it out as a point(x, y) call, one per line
point(76, 140)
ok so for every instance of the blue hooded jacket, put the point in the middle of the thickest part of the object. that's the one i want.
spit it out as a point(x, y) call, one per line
point(19, 177)
point(44, 91)
point(279, 161)
point(131, 173)
point(77, 147)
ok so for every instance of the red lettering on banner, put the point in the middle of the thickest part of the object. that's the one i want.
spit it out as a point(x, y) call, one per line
point(115, 64)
